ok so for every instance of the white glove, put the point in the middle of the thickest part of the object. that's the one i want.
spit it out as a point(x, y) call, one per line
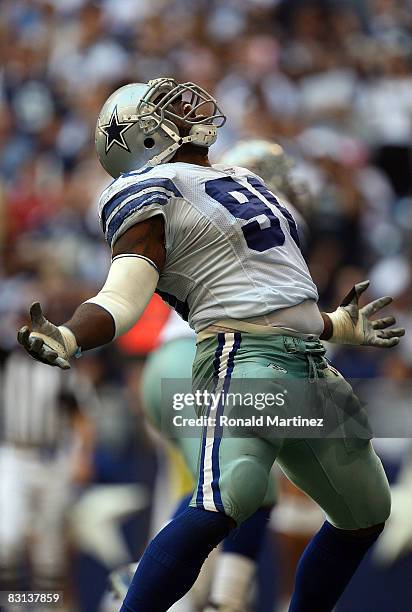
point(46, 342)
point(351, 324)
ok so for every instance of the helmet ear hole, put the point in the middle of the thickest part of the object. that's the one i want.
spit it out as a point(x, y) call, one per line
point(149, 143)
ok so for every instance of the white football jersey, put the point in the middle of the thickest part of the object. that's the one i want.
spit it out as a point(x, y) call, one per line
point(232, 249)
point(175, 329)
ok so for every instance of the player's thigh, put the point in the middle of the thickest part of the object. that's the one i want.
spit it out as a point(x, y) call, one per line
point(234, 463)
point(350, 485)
point(233, 476)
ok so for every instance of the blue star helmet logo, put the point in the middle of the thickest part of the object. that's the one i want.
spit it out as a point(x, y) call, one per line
point(114, 131)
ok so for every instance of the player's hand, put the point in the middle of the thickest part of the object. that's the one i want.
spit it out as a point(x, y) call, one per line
point(45, 341)
point(352, 324)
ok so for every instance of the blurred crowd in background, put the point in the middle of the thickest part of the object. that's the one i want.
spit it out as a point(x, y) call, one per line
point(329, 80)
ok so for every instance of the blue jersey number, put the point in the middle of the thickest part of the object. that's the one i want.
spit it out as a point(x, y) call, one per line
point(263, 231)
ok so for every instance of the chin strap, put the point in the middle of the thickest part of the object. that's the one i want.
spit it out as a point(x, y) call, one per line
point(201, 135)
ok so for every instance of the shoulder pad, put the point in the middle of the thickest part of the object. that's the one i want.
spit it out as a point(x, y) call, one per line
point(135, 193)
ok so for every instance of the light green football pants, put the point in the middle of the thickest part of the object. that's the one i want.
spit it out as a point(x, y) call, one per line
point(341, 472)
point(173, 361)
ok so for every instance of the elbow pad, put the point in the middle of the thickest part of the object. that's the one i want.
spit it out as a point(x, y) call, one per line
point(130, 284)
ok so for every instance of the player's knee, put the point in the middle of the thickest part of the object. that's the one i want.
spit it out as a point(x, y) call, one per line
point(244, 484)
point(366, 509)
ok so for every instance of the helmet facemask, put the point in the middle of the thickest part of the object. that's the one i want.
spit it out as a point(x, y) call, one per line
point(159, 102)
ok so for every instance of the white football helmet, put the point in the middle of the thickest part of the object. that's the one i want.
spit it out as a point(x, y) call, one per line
point(138, 124)
point(266, 159)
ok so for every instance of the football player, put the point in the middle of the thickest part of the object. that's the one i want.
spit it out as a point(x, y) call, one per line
point(220, 248)
point(234, 570)
point(235, 567)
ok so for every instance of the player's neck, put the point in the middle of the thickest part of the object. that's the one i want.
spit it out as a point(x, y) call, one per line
point(192, 154)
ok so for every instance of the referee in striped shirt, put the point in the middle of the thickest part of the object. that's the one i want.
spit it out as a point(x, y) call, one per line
point(44, 438)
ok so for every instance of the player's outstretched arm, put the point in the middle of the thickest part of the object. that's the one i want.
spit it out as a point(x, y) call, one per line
point(350, 324)
point(138, 256)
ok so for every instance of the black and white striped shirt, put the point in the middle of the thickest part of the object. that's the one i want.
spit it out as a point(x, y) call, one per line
point(35, 401)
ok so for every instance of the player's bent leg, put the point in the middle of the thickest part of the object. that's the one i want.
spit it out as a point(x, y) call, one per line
point(351, 487)
point(233, 480)
point(233, 484)
point(233, 469)
point(240, 486)
point(236, 565)
point(172, 561)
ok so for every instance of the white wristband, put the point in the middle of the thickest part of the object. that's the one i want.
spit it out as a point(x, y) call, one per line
point(344, 329)
point(130, 284)
point(70, 342)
